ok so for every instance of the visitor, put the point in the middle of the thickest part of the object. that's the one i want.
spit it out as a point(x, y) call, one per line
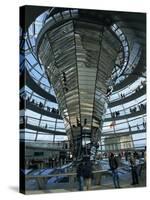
point(32, 101)
point(144, 124)
point(135, 155)
point(126, 156)
point(48, 108)
point(80, 176)
point(134, 170)
point(129, 128)
point(46, 125)
point(114, 168)
point(113, 115)
point(119, 158)
point(87, 174)
point(139, 168)
point(108, 93)
point(41, 104)
point(117, 113)
point(53, 110)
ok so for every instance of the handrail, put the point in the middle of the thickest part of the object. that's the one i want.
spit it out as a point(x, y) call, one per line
point(61, 122)
point(130, 79)
point(137, 113)
point(129, 98)
point(43, 130)
point(74, 173)
point(133, 106)
point(123, 133)
point(128, 128)
point(50, 132)
point(61, 174)
point(35, 87)
point(35, 108)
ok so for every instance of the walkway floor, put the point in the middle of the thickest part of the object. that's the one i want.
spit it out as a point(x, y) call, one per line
point(106, 183)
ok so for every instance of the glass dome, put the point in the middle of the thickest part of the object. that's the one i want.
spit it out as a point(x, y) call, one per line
point(125, 118)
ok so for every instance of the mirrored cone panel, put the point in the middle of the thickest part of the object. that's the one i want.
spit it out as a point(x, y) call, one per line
point(79, 57)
